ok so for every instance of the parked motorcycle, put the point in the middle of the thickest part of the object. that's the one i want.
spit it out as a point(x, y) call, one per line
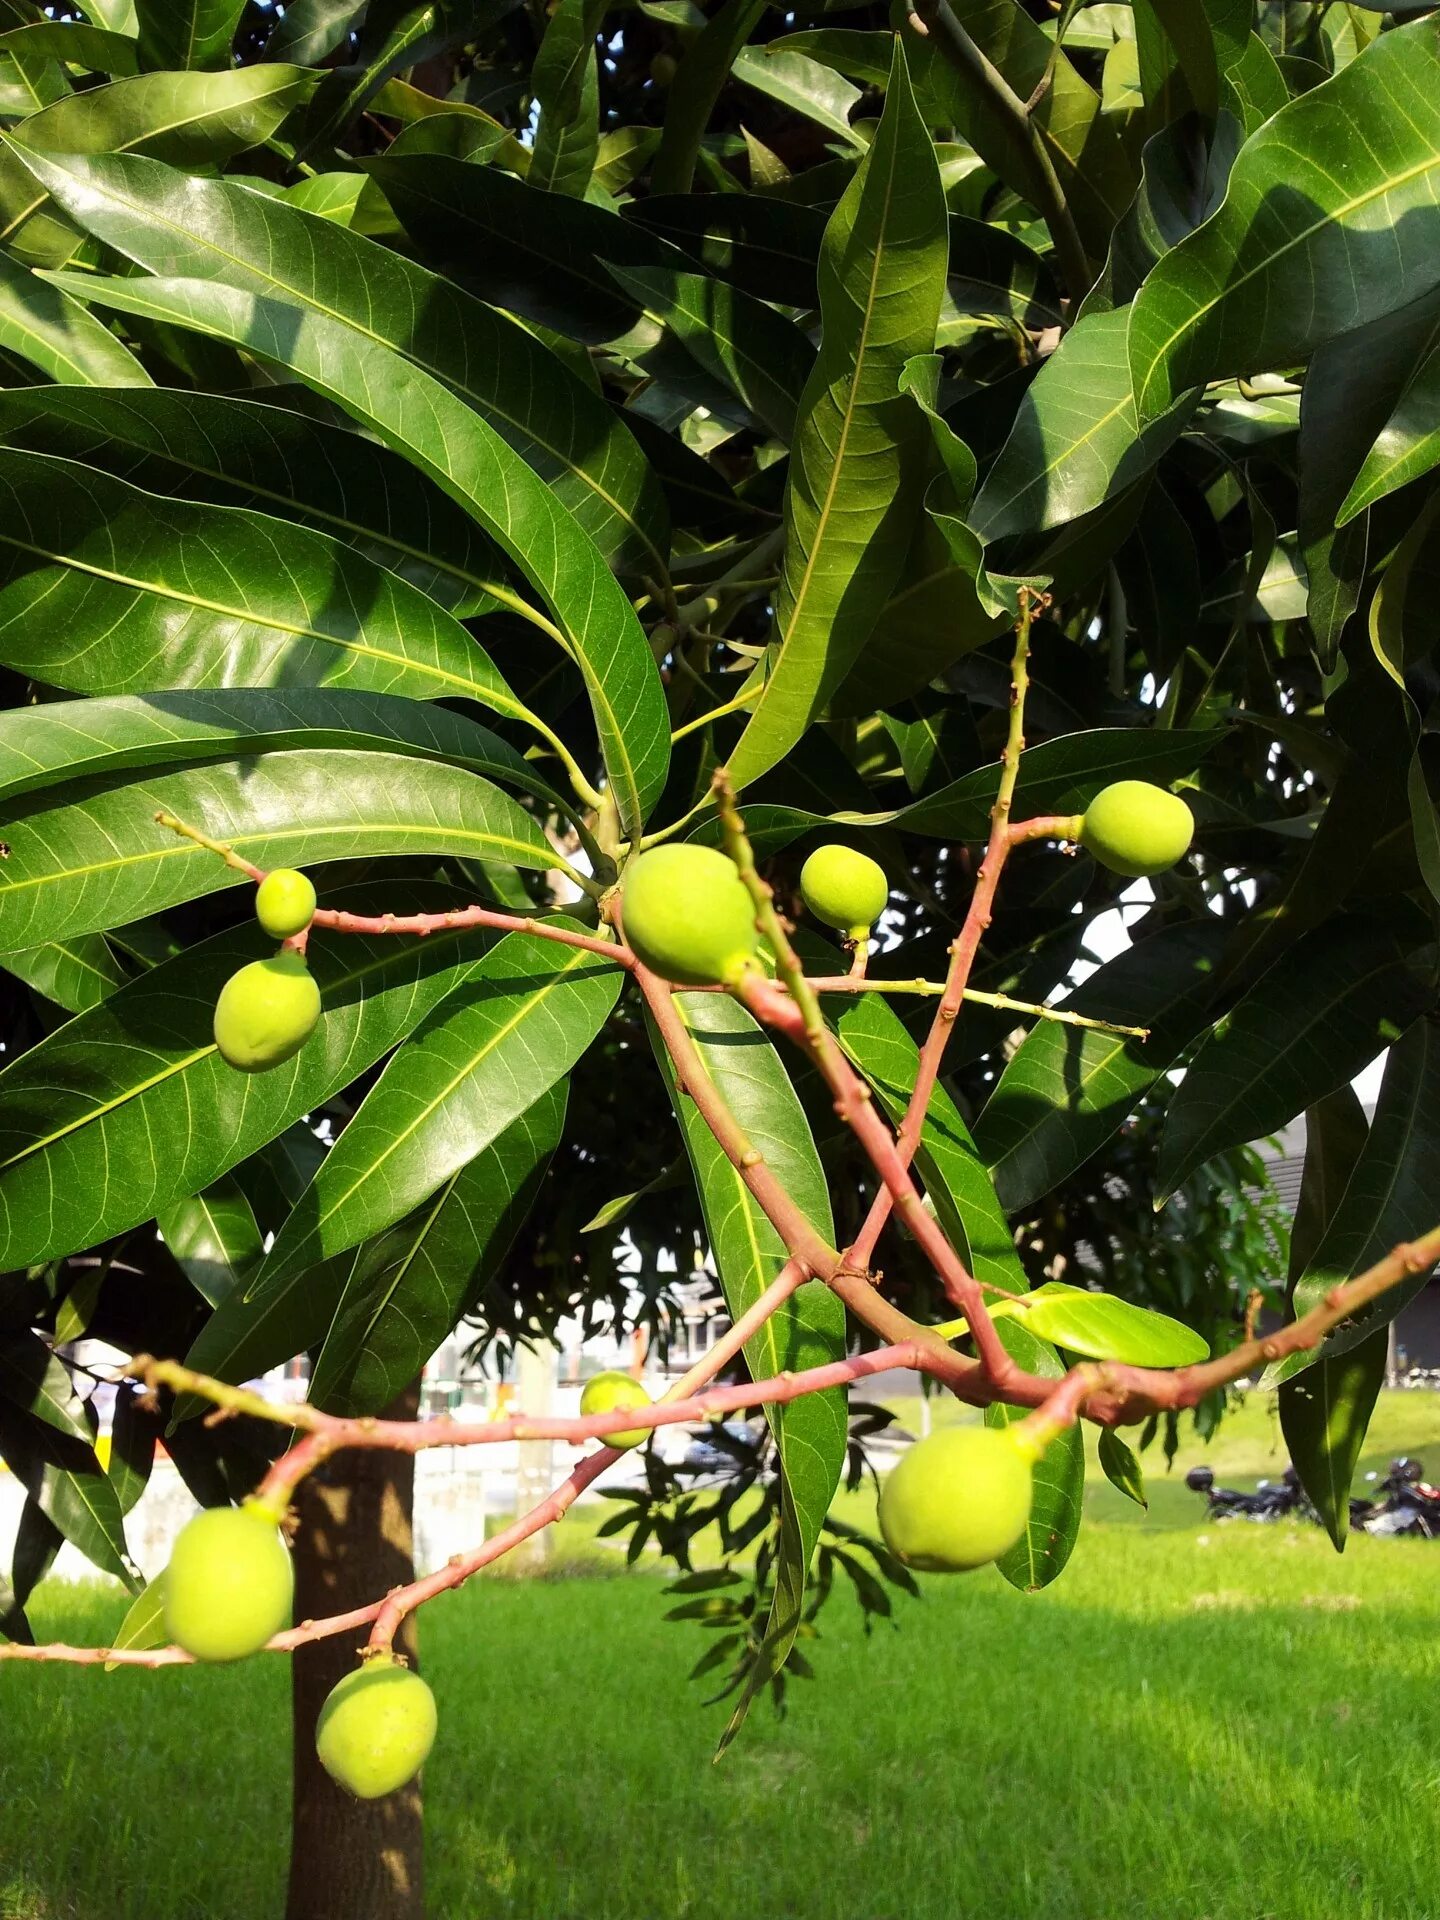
point(1408, 1504)
point(1281, 1499)
point(1403, 1503)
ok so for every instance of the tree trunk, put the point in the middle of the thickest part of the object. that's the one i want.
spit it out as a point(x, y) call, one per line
point(362, 1859)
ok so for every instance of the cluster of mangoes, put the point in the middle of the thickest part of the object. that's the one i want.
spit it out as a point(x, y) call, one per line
point(689, 917)
point(268, 1010)
point(230, 1588)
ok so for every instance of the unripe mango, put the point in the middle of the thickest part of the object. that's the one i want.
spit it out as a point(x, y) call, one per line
point(266, 1012)
point(1136, 829)
point(229, 1586)
point(957, 1500)
point(844, 888)
point(284, 903)
point(687, 915)
point(604, 1393)
point(376, 1728)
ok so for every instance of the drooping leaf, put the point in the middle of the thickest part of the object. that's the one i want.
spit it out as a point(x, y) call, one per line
point(1122, 1467)
point(187, 119)
point(1313, 1021)
point(1075, 441)
point(1066, 1090)
point(516, 1023)
point(1388, 1197)
point(1319, 233)
point(1100, 1326)
point(408, 1287)
point(106, 860)
point(809, 1329)
point(179, 227)
point(75, 974)
point(97, 1122)
point(215, 1237)
point(1408, 445)
point(37, 1381)
point(144, 1622)
point(567, 136)
point(1039, 1556)
point(859, 456)
point(67, 1483)
point(455, 448)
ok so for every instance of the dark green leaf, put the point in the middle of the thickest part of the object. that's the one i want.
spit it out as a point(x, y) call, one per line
point(97, 1123)
point(408, 1288)
point(1319, 232)
point(1122, 1467)
point(515, 1025)
point(1067, 1089)
point(75, 974)
point(106, 860)
point(65, 1480)
point(859, 458)
point(215, 1238)
point(1039, 1556)
point(1313, 1021)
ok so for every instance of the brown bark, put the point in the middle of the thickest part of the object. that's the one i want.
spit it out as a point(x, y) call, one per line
point(357, 1858)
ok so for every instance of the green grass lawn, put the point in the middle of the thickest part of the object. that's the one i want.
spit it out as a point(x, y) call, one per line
point(1229, 1723)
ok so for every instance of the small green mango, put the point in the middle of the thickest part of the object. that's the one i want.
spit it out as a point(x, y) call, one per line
point(844, 888)
point(606, 1391)
point(687, 915)
point(229, 1586)
point(957, 1500)
point(1136, 829)
point(266, 1012)
point(376, 1728)
point(284, 903)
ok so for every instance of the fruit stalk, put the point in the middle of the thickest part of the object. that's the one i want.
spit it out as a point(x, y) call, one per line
point(967, 942)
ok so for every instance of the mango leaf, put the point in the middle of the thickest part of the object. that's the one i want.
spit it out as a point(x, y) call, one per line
point(1075, 442)
point(187, 33)
point(1351, 386)
point(309, 30)
point(38, 1382)
point(135, 1428)
point(566, 89)
point(703, 71)
point(760, 355)
point(239, 453)
point(1083, 144)
point(1319, 233)
point(408, 1288)
point(954, 1175)
point(144, 1622)
point(141, 593)
point(1100, 1326)
point(67, 740)
point(105, 860)
point(809, 1329)
point(859, 459)
point(1388, 1198)
point(1122, 1467)
point(59, 335)
point(1314, 1020)
point(515, 1025)
point(187, 119)
point(75, 974)
point(97, 1121)
point(456, 449)
point(1066, 1090)
point(215, 1238)
point(179, 227)
point(97, 49)
point(1324, 1415)
point(1039, 1556)
point(770, 247)
point(66, 1482)
point(1407, 446)
point(803, 85)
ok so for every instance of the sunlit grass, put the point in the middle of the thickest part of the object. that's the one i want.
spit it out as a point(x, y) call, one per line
point(1223, 1723)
